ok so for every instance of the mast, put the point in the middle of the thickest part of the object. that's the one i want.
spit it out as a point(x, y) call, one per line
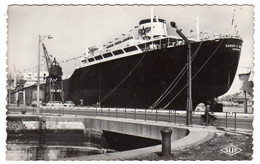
point(152, 16)
point(198, 29)
point(232, 21)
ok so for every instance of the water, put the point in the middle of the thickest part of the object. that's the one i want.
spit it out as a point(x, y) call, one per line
point(24, 152)
point(22, 143)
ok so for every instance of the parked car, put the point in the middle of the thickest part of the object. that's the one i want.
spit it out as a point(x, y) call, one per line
point(200, 108)
point(34, 103)
point(54, 104)
point(69, 104)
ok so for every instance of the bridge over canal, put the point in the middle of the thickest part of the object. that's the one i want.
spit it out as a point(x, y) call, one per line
point(181, 136)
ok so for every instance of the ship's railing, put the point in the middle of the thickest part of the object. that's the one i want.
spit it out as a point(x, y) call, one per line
point(161, 43)
point(226, 120)
point(231, 36)
point(151, 45)
point(204, 36)
point(157, 43)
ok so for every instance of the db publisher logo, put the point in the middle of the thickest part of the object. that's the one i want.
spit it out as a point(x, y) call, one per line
point(231, 150)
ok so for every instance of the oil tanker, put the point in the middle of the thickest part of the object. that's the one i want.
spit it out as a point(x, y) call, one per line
point(148, 69)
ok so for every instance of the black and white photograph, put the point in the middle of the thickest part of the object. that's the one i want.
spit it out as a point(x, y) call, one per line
point(130, 82)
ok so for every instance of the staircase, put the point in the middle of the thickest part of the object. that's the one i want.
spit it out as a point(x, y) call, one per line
point(42, 139)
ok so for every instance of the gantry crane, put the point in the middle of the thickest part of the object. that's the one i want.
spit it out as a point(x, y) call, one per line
point(53, 88)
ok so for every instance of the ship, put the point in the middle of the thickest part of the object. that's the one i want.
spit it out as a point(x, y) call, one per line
point(149, 69)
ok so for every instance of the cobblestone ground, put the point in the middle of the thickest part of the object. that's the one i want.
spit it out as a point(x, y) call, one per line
point(210, 150)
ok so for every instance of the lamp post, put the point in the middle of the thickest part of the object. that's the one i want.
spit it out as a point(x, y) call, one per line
point(9, 89)
point(189, 77)
point(38, 72)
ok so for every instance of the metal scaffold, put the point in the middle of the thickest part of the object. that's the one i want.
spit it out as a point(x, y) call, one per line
point(54, 87)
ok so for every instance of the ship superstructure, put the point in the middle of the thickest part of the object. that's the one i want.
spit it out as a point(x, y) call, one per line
point(148, 39)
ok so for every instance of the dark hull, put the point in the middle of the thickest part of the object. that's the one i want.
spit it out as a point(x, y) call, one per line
point(215, 67)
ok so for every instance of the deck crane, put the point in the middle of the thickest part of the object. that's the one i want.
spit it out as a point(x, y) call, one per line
point(53, 88)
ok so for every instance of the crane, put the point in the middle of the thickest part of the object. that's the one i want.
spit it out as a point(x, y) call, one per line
point(54, 87)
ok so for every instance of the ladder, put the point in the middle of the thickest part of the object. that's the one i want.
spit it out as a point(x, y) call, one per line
point(42, 139)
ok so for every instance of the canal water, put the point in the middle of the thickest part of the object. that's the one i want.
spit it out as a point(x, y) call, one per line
point(22, 143)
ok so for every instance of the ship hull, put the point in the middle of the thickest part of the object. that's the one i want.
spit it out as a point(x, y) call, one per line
point(137, 81)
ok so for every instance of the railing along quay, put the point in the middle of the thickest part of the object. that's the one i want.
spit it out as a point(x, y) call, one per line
point(232, 120)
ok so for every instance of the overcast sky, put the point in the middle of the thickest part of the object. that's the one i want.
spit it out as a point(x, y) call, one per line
point(74, 28)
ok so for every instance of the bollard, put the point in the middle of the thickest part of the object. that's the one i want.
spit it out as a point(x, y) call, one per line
point(135, 113)
point(226, 119)
point(156, 115)
point(207, 119)
point(145, 115)
point(169, 116)
point(235, 120)
point(166, 141)
point(175, 117)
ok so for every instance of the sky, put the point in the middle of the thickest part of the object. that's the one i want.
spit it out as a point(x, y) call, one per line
point(74, 28)
point(32, 38)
